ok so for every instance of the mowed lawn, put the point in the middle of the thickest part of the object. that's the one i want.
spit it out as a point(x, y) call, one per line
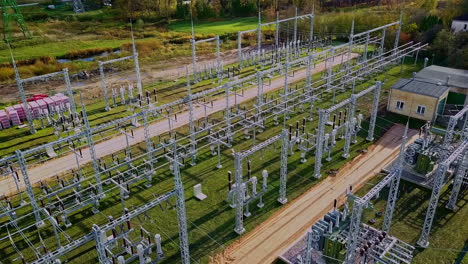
point(217, 27)
point(57, 49)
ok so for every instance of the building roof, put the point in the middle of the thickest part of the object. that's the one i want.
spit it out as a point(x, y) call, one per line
point(462, 17)
point(423, 87)
point(458, 78)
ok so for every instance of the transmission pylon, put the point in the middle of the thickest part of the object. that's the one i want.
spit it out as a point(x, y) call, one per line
point(78, 6)
point(10, 11)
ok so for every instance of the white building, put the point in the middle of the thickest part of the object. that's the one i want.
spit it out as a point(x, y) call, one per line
point(460, 23)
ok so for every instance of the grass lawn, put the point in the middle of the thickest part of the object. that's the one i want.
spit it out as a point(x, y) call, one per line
point(217, 27)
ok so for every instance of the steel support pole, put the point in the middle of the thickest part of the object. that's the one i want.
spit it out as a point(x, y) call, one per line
point(259, 39)
point(29, 188)
point(310, 59)
point(295, 29)
point(423, 240)
point(394, 184)
point(104, 85)
point(277, 31)
point(366, 47)
point(100, 239)
point(239, 229)
point(382, 41)
point(66, 76)
point(397, 36)
point(92, 151)
point(181, 213)
point(228, 114)
point(19, 83)
point(375, 108)
point(354, 227)
point(194, 60)
point(137, 67)
point(323, 118)
point(193, 141)
point(350, 48)
point(349, 128)
point(311, 33)
point(259, 89)
point(239, 48)
point(457, 182)
point(218, 60)
point(284, 167)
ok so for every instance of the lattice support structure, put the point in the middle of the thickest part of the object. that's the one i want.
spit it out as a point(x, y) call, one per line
point(439, 178)
point(181, 213)
point(92, 151)
point(78, 6)
point(240, 186)
point(375, 108)
point(349, 126)
point(354, 227)
point(133, 57)
point(323, 118)
point(457, 182)
point(19, 83)
point(284, 167)
point(29, 188)
point(394, 184)
point(15, 15)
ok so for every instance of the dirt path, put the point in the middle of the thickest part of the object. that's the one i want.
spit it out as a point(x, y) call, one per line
point(266, 242)
point(67, 162)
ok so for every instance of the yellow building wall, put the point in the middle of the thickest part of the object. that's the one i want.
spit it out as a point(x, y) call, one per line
point(411, 102)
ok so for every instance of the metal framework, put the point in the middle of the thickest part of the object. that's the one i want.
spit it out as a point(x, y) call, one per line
point(393, 180)
point(133, 57)
point(20, 83)
point(219, 65)
point(78, 6)
point(239, 187)
point(324, 115)
point(277, 42)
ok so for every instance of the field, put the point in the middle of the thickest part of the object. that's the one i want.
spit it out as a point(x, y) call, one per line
point(216, 27)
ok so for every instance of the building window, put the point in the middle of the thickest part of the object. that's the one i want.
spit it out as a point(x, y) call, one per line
point(421, 109)
point(400, 105)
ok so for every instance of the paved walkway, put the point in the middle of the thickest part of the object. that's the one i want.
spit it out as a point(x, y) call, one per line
point(67, 162)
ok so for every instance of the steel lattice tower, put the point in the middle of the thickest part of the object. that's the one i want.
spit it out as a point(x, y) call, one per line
point(10, 11)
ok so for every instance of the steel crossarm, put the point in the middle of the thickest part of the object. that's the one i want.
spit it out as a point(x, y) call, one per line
point(376, 29)
point(452, 124)
point(117, 60)
point(258, 147)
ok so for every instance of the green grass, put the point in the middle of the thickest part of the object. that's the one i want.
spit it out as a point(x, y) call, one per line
point(60, 48)
point(216, 27)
